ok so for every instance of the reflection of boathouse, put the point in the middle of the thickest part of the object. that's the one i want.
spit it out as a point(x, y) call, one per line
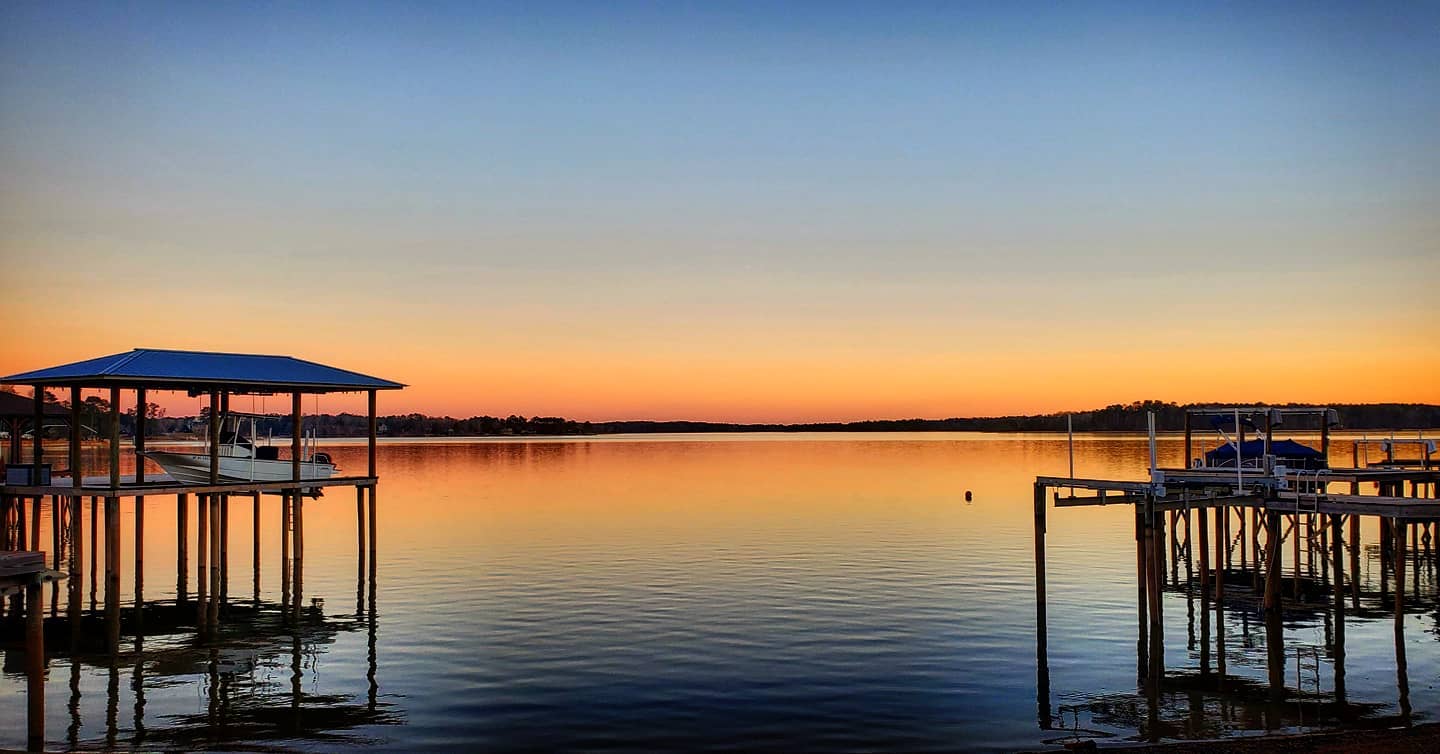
point(1287, 550)
point(38, 486)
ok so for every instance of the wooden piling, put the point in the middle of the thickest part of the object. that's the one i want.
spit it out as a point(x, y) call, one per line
point(1042, 664)
point(94, 546)
point(35, 662)
point(370, 493)
point(182, 542)
point(1337, 547)
point(112, 572)
point(285, 553)
point(212, 613)
point(1142, 582)
point(224, 592)
point(35, 523)
point(1273, 542)
point(1402, 673)
point(1203, 526)
point(1220, 515)
point(1295, 553)
point(77, 564)
point(202, 548)
point(139, 560)
point(360, 525)
point(255, 546)
point(297, 579)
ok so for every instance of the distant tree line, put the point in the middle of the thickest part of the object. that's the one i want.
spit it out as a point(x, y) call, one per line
point(1114, 418)
point(1118, 417)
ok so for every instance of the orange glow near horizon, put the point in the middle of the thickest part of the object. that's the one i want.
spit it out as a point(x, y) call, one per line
point(769, 384)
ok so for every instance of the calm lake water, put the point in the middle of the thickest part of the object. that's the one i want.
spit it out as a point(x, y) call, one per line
point(733, 592)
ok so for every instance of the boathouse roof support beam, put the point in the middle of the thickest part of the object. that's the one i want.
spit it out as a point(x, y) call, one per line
point(77, 463)
point(296, 419)
point(214, 431)
point(140, 399)
point(114, 437)
point(38, 447)
point(371, 432)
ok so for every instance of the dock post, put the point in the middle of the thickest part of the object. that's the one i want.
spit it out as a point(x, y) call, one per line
point(1274, 539)
point(224, 591)
point(202, 548)
point(1337, 547)
point(112, 572)
point(77, 563)
point(1402, 672)
point(1142, 582)
point(139, 560)
point(1155, 536)
point(1203, 519)
point(182, 543)
point(1295, 553)
point(1220, 514)
point(285, 553)
point(373, 555)
point(35, 522)
point(212, 611)
point(297, 579)
point(35, 662)
point(1042, 664)
point(255, 546)
point(94, 546)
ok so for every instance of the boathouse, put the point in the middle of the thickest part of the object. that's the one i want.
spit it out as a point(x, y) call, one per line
point(137, 374)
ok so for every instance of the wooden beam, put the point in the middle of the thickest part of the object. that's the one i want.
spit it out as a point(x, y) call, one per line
point(372, 434)
point(77, 447)
point(297, 420)
point(37, 446)
point(1189, 441)
point(140, 399)
point(114, 437)
point(214, 432)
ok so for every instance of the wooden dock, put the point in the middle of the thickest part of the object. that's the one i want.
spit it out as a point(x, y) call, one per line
point(218, 377)
point(1256, 520)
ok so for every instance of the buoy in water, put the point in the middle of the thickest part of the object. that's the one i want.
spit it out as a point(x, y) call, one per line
point(967, 496)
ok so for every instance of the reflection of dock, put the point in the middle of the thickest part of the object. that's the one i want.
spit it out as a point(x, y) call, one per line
point(29, 484)
point(1239, 564)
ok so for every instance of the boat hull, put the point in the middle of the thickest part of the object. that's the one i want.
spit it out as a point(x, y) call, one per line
point(192, 468)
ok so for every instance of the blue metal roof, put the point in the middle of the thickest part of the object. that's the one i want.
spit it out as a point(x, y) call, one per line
point(183, 370)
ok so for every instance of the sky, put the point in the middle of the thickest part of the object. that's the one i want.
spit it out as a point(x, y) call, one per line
point(735, 211)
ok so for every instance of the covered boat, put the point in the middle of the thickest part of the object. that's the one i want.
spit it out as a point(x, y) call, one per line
point(1289, 453)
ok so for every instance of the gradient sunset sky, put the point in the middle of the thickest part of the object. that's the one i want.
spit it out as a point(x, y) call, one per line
point(771, 211)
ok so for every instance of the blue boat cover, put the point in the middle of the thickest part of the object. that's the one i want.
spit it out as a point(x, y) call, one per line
point(201, 368)
point(1256, 448)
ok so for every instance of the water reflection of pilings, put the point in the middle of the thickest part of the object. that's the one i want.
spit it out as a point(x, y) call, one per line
point(1230, 563)
point(95, 635)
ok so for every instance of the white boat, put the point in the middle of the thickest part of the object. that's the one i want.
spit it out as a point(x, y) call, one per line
point(241, 460)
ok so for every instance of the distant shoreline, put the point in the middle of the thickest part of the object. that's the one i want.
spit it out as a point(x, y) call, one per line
point(1117, 418)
